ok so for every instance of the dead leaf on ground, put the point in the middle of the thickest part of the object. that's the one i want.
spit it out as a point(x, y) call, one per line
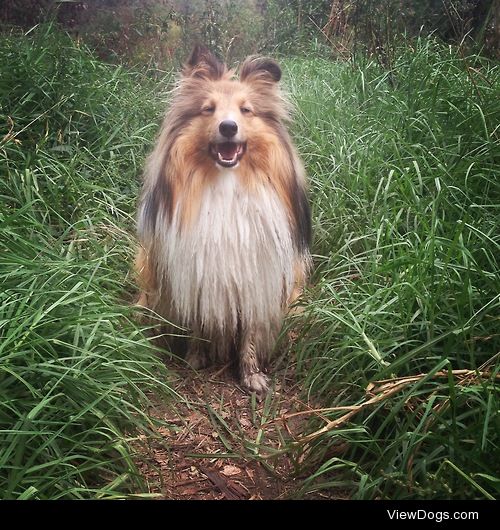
point(229, 471)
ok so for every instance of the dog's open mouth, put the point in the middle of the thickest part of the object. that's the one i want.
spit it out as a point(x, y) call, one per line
point(227, 154)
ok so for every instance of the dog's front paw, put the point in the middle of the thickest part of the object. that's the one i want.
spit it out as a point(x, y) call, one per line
point(196, 359)
point(256, 382)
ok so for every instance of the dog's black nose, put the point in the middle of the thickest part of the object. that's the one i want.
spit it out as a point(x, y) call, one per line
point(228, 128)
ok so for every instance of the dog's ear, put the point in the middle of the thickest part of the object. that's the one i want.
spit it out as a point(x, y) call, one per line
point(260, 69)
point(204, 64)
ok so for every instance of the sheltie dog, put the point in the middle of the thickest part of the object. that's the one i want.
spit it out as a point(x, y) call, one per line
point(224, 222)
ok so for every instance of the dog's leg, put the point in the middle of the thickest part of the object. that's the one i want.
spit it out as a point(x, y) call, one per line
point(301, 269)
point(146, 279)
point(196, 355)
point(250, 367)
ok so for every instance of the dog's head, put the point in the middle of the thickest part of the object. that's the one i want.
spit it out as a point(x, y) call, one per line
point(226, 119)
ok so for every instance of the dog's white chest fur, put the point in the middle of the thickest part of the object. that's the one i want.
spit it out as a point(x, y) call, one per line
point(234, 264)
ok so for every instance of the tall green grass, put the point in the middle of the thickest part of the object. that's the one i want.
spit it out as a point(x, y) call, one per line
point(405, 171)
point(75, 369)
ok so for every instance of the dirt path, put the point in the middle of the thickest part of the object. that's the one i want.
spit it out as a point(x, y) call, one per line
point(222, 444)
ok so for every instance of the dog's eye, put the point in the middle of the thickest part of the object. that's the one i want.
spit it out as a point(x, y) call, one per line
point(209, 109)
point(245, 110)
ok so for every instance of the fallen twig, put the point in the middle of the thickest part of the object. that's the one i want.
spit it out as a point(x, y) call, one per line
point(380, 391)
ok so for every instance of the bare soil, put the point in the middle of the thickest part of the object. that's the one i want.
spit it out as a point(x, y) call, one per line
point(220, 443)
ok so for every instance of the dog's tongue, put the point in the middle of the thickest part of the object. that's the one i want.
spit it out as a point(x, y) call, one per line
point(227, 150)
